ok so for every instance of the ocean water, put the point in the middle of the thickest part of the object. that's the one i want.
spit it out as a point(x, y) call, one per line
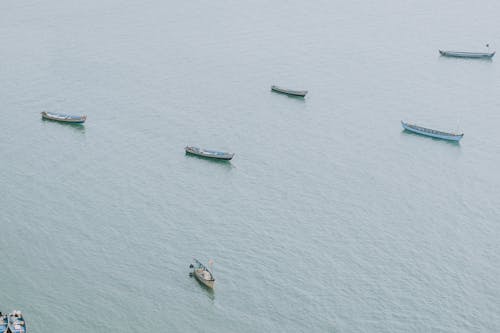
point(330, 218)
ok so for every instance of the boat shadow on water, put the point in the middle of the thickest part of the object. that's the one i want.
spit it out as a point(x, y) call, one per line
point(206, 290)
point(452, 143)
point(464, 59)
point(294, 97)
point(224, 163)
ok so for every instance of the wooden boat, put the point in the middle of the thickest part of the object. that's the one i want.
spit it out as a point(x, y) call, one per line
point(16, 322)
point(220, 155)
point(299, 93)
point(4, 322)
point(65, 118)
point(431, 132)
point(460, 54)
point(203, 274)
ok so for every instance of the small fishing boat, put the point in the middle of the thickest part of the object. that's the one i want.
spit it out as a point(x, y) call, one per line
point(461, 54)
point(220, 155)
point(16, 322)
point(299, 93)
point(4, 323)
point(431, 132)
point(203, 274)
point(65, 118)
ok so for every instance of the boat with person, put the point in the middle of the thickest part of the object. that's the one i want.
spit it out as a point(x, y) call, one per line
point(65, 118)
point(471, 55)
point(4, 323)
point(431, 132)
point(203, 274)
point(298, 93)
point(16, 322)
point(215, 154)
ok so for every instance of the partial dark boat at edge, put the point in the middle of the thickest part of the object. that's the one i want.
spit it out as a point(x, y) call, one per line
point(4, 323)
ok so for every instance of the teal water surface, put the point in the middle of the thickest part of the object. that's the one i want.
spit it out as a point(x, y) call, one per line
point(330, 218)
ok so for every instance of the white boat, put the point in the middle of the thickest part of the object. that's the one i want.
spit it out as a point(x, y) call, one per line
point(299, 93)
point(65, 118)
point(461, 54)
point(432, 133)
point(220, 155)
point(203, 274)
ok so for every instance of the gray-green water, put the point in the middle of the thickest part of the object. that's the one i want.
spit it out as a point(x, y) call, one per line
point(329, 219)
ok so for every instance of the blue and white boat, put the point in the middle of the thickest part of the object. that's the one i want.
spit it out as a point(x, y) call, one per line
point(431, 132)
point(220, 155)
point(65, 118)
point(4, 322)
point(16, 322)
point(473, 55)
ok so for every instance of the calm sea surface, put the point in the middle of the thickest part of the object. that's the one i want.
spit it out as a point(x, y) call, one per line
point(330, 218)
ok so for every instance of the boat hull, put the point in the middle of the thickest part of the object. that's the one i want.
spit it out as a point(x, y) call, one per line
point(209, 154)
point(470, 55)
point(62, 119)
point(431, 133)
point(207, 283)
point(297, 93)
